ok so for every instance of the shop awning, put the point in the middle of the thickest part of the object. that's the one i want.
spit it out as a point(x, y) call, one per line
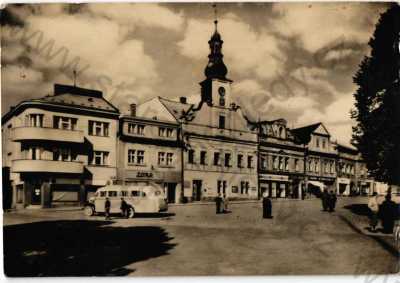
point(317, 184)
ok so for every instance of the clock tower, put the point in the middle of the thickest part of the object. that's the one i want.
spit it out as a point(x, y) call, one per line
point(216, 88)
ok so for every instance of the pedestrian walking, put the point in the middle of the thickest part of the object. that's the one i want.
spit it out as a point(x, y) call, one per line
point(226, 203)
point(107, 206)
point(373, 208)
point(332, 201)
point(325, 199)
point(218, 203)
point(267, 206)
point(388, 213)
point(124, 208)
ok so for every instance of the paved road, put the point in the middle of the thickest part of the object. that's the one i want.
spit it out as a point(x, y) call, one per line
point(193, 240)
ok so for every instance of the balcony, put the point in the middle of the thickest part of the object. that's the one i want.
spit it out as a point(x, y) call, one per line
point(48, 134)
point(48, 166)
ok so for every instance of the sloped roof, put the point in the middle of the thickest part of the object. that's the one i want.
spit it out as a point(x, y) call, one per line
point(303, 134)
point(176, 108)
point(69, 99)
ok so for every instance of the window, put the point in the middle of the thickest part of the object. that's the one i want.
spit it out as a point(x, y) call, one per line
point(135, 129)
point(240, 161)
point(103, 194)
point(169, 158)
point(263, 162)
point(221, 186)
point(97, 128)
point(112, 194)
point(250, 161)
point(221, 92)
point(244, 187)
point(296, 165)
point(99, 158)
point(275, 162)
point(216, 159)
point(317, 142)
point(323, 143)
point(140, 157)
point(161, 132)
point(124, 193)
point(131, 156)
point(316, 166)
point(64, 123)
point(161, 158)
point(165, 132)
point(332, 167)
point(287, 163)
point(281, 163)
point(35, 120)
point(227, 160)
point(191, 156)
point(203, 157)
point(326, 164)
point(221, 122)
point(135, 193)
point(310, 165)
point(165, 159)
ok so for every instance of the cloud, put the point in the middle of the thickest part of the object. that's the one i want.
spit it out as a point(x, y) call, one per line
point(148, 15)
point(246, 51)
point(319, 24)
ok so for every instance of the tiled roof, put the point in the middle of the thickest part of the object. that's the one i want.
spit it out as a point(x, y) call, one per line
point(79, 100)
point(176, 108)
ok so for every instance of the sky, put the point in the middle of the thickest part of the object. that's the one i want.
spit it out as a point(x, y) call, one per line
point(287, 60)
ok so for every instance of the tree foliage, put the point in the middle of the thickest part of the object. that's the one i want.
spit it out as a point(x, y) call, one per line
point(377, 107)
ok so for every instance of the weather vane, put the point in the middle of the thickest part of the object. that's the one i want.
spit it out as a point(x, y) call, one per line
point(215, 15)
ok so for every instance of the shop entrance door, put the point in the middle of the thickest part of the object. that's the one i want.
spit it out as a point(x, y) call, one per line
point(36, 194)
point(171, 192)
point(197, 187)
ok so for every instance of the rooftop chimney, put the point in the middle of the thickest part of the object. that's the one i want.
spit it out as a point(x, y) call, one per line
point(133, 109)
point(183, 99)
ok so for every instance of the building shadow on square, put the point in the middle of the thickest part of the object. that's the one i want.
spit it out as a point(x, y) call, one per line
point(359, 209)
point(79, 248)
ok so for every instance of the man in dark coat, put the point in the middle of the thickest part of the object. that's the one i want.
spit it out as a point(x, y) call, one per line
point(107, 206)
point(325, 199)
point(218, 203)
point(124, 208)
point(388, 211)
point(267, 206)
point(332, 201)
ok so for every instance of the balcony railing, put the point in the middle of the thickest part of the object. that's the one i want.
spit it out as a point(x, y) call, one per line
point(49, 134)
point(46, 166)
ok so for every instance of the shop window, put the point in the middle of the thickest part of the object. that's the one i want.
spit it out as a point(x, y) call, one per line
point(103, 194)
point(124, 193)
point(112, 193)
point(135, 193)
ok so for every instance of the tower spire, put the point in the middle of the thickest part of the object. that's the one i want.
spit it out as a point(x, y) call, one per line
point(215, 67)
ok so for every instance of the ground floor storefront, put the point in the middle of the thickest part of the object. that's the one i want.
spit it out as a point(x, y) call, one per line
point(206, 185)
point(281, 186)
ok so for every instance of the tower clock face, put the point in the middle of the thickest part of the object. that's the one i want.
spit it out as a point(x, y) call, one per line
point(221, 91)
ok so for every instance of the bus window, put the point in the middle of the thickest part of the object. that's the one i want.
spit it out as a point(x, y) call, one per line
point(112, 193)
point(102, 193)
point(135, 193)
